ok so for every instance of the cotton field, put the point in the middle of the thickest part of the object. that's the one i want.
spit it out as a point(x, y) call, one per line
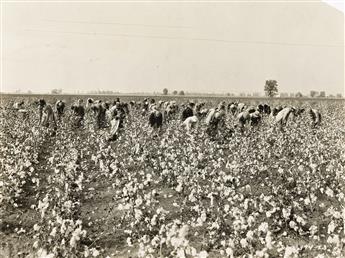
point(138, 189)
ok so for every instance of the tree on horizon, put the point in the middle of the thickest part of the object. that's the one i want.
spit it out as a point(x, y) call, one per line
point(271, 88)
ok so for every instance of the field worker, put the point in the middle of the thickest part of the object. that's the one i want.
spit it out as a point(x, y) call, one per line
point(210, 115)
point(125, 108)
point(152, 104)
point(41, 104)
point(267, 109)
point(114, 124)
point(299, 111)
point(188, 111)
point(117, 110)
point(243, 119)
point(283, 116)
point(232, 108)
point(137, 105)
point(199, 106)
point(220, 115)
point(106, 105)
point(221, 105)
point(173, 106)
point(202, 113)
point(218, 119)
point(251, 109)
point(156, 118)
point(255, 118)
point(89, 103)
point(315, 116)
point(190, 123)
point(19, 107)
point(276, 110)
point(79, 113)
point(121, 113)
point(132, 103)
point(146, 105)
point(99, 110)
point(60, 107)
point(241, 107)
point(215, 120)
point(166, 104)
point(170, 110)
point(160, 103)
point(260, 108)
point(47, 116)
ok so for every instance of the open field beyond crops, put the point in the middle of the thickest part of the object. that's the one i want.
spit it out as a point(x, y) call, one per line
point(261, 194)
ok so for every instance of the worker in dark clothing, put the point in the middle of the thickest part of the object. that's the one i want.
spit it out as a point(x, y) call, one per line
point(99, 110)
point(156, 118)
point(60, 107)
point(315, 116)
point(188, 111)
point(79, 113)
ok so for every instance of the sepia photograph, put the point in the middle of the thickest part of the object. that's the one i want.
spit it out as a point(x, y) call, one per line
point(172, 129)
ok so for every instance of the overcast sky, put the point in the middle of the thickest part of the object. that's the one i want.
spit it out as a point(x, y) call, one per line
point(197, 47)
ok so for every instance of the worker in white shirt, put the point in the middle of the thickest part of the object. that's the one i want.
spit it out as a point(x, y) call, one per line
point(19, 107)
point(190, 123)
point(115, 121)
point(283, 116)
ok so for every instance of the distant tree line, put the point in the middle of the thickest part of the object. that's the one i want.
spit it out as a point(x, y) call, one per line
point(104, 92)
point(56, 91)
point(270, 89)
point(322, 94)
point(175, 92)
